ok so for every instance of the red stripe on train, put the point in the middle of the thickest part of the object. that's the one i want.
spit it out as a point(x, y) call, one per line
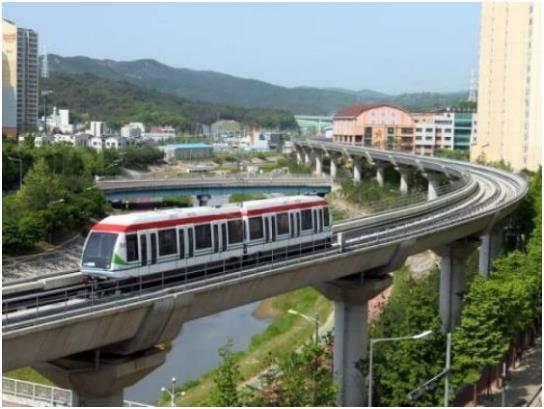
point(120, 228)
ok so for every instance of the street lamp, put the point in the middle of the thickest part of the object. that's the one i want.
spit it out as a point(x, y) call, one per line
point(309, 319)
point(377, 340)
point(173, 394)
point(11, 158)
point(431, 383)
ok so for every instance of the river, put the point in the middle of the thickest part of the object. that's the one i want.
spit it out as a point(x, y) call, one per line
point(194, 351)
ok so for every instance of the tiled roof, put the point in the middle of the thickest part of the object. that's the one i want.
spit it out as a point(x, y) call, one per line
point(356, 110)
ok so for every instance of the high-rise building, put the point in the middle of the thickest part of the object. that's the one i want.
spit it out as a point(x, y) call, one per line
point(509, 93)
point(27, 80)
point(9, 79)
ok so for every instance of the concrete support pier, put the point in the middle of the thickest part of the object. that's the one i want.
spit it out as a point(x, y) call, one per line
point(433, 180)
point(300, 154)
point(350, 349)
point(100, 380)
point(357, 173)
point(307, 157)
point(334, 167)
point(453, 280)
point(490, 248)
point(203, 200)
point(380, 177)
point(318, 163)
point(404, 175)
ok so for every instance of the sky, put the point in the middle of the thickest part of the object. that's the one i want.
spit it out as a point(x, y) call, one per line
point(387, 47)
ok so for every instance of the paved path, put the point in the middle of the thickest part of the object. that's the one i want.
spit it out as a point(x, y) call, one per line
point(526, 379)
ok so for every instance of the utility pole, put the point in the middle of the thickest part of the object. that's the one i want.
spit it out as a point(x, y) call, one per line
point(447, 369)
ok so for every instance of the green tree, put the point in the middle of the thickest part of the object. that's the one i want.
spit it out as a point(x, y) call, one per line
point(226, 379)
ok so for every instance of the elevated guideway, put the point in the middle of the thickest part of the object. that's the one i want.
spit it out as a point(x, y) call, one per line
point(128, 321)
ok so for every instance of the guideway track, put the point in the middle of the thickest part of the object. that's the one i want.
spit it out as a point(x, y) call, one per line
point(363, 245)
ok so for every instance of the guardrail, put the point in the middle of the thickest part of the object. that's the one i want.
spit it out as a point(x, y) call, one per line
point(27, 393)
point(34, 394)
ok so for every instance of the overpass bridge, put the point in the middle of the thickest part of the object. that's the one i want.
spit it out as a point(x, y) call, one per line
point(205, 187)
point(97, 343)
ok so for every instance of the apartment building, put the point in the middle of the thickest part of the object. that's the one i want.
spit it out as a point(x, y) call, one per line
point(27, 80)
point(509, 88)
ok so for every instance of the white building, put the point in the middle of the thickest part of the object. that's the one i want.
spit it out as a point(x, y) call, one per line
point(43, 140)
point(433, 131)
point(79, 140)
point(115, 142)
point(96, 142)
point(60, 120)
point(97, 128)
point(133, 130)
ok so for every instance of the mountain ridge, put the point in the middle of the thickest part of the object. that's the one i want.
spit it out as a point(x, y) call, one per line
point(216, 87)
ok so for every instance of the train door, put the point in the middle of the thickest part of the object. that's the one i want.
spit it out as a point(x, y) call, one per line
point(144, 269)
point(224, 236)
point(266, 221)
point(153, 244)
point(215, 238)
point(320, 219)
point(315, 220)
point(190, 242)
point(273, 226)
point(292, 225)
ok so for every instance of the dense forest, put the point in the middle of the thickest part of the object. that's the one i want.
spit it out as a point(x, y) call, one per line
point(90, 97)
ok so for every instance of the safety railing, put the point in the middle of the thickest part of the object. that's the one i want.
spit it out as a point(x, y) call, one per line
point(34, 394)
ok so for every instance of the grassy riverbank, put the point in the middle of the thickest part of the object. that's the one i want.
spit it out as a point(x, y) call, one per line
point(284, 334)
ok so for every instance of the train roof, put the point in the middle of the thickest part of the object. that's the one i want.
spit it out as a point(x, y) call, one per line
point(172, 217)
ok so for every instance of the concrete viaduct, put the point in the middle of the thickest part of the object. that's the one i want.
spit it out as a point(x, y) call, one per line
point(205, 187)
point(98, 347)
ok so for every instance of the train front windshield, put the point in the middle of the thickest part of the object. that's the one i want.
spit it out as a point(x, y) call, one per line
point(98, 250)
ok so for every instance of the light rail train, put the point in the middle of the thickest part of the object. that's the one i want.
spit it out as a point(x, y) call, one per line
point(153, 242)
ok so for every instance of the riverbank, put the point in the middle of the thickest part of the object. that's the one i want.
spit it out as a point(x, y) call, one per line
point(286, 333)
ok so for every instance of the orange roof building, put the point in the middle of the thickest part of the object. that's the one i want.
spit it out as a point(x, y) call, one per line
point(383, 126)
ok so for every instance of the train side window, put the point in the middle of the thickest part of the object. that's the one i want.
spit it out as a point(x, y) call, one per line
point(306, 216)
point(273, 223)
point(236, 231)
point(224, 236)
point(181, 234)
point(143, 245)
point(283, 223)
point(191, 241)
point(203, 236)
point(298, 224)
point(316, 227)
point(153, 248)
point(255, 228)
point(320, 213)
point(132, 247)
point(326, 219)
point(167, 242)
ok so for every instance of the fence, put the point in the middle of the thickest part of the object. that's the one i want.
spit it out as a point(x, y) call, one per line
point(34, 394)
point(15, 391)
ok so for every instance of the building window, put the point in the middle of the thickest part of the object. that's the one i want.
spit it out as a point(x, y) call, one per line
point(236, 231)
point(306, 219)
point(167, 242)
point(255, 228)
point(132, 247)
point(390, 130)
point(203, 236)
point(283, 223)
point(428, 129)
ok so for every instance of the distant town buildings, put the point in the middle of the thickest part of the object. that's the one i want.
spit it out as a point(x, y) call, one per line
point(19, 79)
point(390, 127)
point(158, 134)
point(133, 130)
point(225, 127)
point(312, 125)
point(187, 151)
point(509, 88)
point(378, 125)
point(97, 128)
